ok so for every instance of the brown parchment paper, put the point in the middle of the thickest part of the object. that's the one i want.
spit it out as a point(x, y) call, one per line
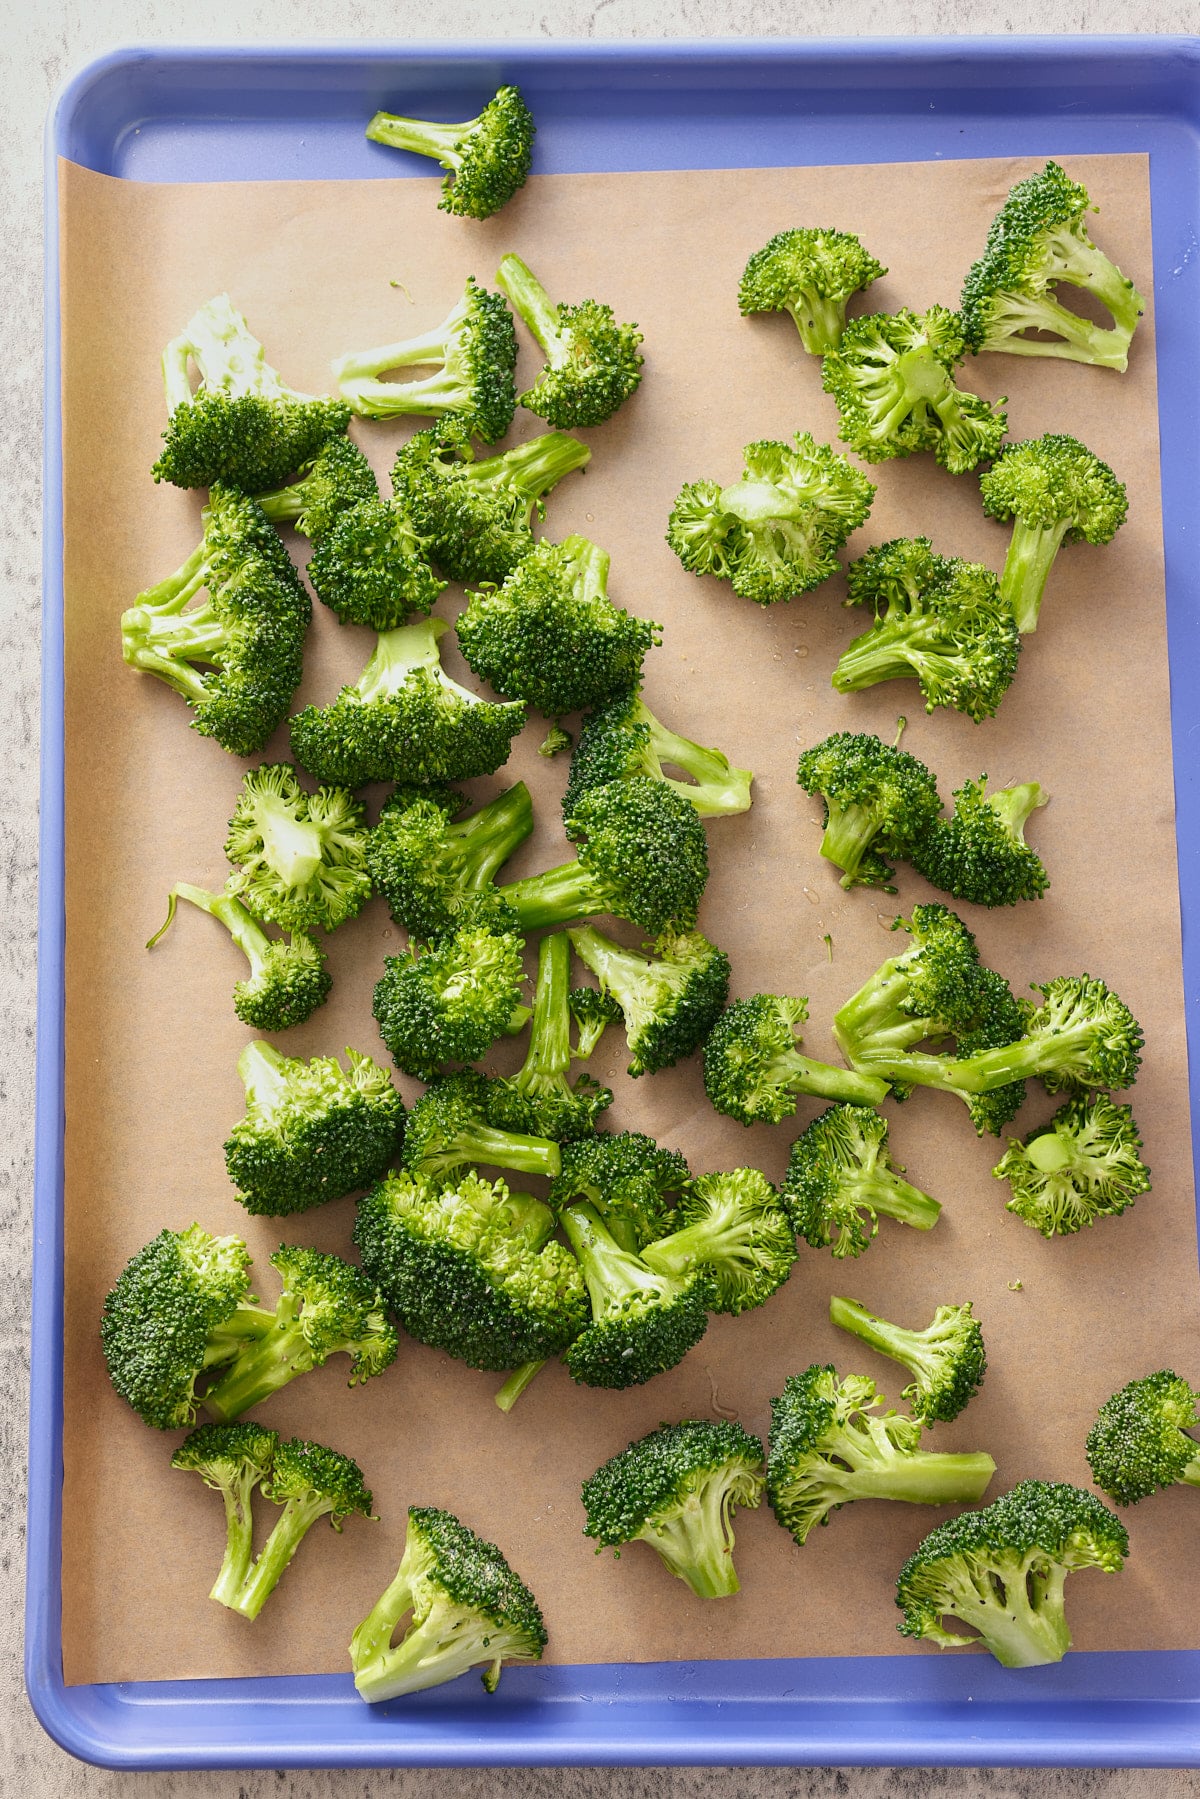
point(152, 1087)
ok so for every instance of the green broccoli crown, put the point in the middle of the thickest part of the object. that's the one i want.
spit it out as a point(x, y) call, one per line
point(947, 1359)
point(222, 1454)
point(311, 1131)
point(473, 353)
point(429, 868)
point(471, 1269)
point(1081, 1036)
point(627, 1179)
point(336, 478)
point(642, 1322)
point(1055, 484)
point(591, 1013)
point(670, 997)
point(318, 1480)
point(734, 1226)
point(487, 158)
point(878, 802)
point(839, 1179)
point(753, 1068)
point(776, 532)
point(1084, 1165)
point(621, 738)
point(980, 854)
point(892, 379)
point(539, 1099)
point(810, 273)
point(551, 635)
point(453, 1125)
point(1002, 1570)
point(1139, 1441)
point(999, 1021)
point(338, 1310)
point(450, 1000)
point(592, 361)
point(299, 858)
point(370, 567)
point(288, 979)
point(237, 657)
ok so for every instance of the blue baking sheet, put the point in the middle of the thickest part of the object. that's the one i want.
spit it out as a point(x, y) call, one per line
point(252, 113)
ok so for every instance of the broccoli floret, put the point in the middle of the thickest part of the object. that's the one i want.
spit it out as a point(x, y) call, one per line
point(753, 1068)
point(336, 478)
point(878, 801)
point(242, 425)
point(487, 158)
point(1084, 1165)
point(930, 990)
point(450, 1127)
point(311, 1132)
point(556, 740)
point(1081, 1036)
point(471, 1268)
point(405, 720)
point(370, 568)
point(1002, 1571)
point(237, 657)
point(946, 1359)
point(551, 635)
point(1139, 1441)
point(309, 1482)
point(892, 379)
point(830, 1445)
point(630, 1183)
point(642, 1323)
point(591, 1012)
point(466, 1605)
point(475, 518)
point(539, 1098)
point(1055, 491)
point(622, 738)
point(840, 1177)
point(1038, 239)
point(233, 1459)
point(299, 858)
point(592, 362)
point(980, 854)
point(734, 1226)
point(448, 1001)
point(669, 998)
point(428, 868)
point(678, 1490)
point(811, 273)
point(938, 620)
point(776, 532)
point(288, 978)
point(474, 353)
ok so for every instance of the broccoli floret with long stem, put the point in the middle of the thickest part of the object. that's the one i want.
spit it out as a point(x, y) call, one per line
point(405, 720)
point(429, 865)
point(370, 568)
point(551, 635)
point(939, 621)
point(1084, 1165)
point(1037, 240)
point(678, 1490)
point(471, 1268)
point(892, 379)
point(450, 1127)
point(642, 1322)
point(464, 1604)
point(734, 1226)
point(592, 361)
point(622, 738)
point(309, 1482)
point(1002, 1571)
point(237, 657)
point(753, 1068)
point(539, 1098)
point(335, 479)
point(233, 1459)
point(879, 802)
point(946, 1360)
point(1139, 1442)
point(830, 1445)
point(776, 532)
point(1055, 491)
point(812, 274)
point(288, 977)
point(591, 1013)
point(980, 854)
point(487, 158)
point(311, 1131)
point(299, 858)
point(448, 1001)
point(1081, 1036)
point(929, 990)
point(629, 1182)
point(840, 1178)
point(669, 998)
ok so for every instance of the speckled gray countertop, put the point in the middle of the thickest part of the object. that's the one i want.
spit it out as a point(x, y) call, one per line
point(42, 41)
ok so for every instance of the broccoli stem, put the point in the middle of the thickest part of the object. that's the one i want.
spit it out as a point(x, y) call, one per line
point(849, 834)
point(695, 1542)
point(261, 1068)
point(819, 321)
point(885, 655)
point(399, 654)
point(890, 1194)
point(1045, 1052)
point(505, 1149)
point(613, 1276)
point(1075, 338)
point(516, 1384)
point(239, 1532)
point(266, 1365)
point(1081, 264)
point(717, 789)
point(910, 1348)
point(529, 299)
point(422, 136)
point(249, 936)
point(1013, 806)
point(448, 1641)
point(291, 846)
point(159, 639)
point(1030, 558)
point(486, 839)
point(1017, 1608)
point(756, 502)
point(549, 1054)
point(532, 468)
point(297, 1518)
point(801, 1074)
point(559, 896)
point(925, 1477)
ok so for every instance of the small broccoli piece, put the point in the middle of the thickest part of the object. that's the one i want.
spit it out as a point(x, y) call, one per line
point(1081, 1036)
point(776, 532)
point(370, 568)
point(753, 1068)
point(628, 1181)
point(830, 1445)
point(555, 742)
point(622, 738)
point(892, 379)
point(405, 720)
point(242, 425)
point(1002, 1571)
point(311, 1132)
point(678, 1490)
point(840, 1177)
point(471, 1268)
point(237, 657)
point(592, 363)
point(1038, 239)
point(878, 802)
point(539, 1098)
point(450, 1000)
point(449, 1128)
point(591, 1012)
point(475, 518)
point(299, 858)
point(980, 854)
point(812, 274)
point(309, 1482)
point(333, 481)
point(1139, 1441)
point(642, 1323)
point(938, 620)
point(932, 989)
point(474, 353)
point(1055, 491)
point(946, 1359)
point(466, 1605)
point(551, 635)
point(734, 1226)
point(428, 868)
point(669, 998)
point(233, 1459)
point(288, 978)
point(1084, 1165)
point(486, 158)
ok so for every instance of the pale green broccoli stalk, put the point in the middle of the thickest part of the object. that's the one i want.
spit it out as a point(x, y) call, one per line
point(453, 1126)
point(810, 273)
point(539, 1098)
point(1084, 1165)
point(592, 362)
point(309, 1482)
point(487, 158)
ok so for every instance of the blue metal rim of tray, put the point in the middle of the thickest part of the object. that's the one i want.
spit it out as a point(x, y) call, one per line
point(253, 112)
